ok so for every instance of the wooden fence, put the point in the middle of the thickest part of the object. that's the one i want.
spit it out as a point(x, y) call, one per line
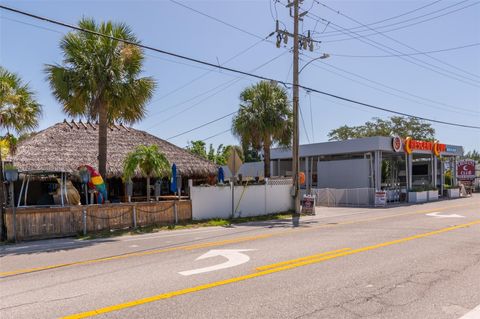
point(41, 223)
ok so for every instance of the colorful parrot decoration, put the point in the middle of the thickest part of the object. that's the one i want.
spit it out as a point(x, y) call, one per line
point(96, 182)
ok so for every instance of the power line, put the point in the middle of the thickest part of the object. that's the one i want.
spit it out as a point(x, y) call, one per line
point(208, 72)
point(405, 45)
point(215, 135)
point(406, 54)
point(216, 19)
point(449, 108)
point(391, 18)
point(389, 110)
point(404, 21)
point(143, 46)
point(223, 87)
point(389, 50)
point(303, 122)
point(233, 71)
point(203, 125)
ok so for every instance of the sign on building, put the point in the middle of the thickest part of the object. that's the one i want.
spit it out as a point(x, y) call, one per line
point(466, 169)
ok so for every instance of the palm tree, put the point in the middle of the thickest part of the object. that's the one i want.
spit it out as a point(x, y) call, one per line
point(99, 78)
point(19, 112)
point(150, 161)
point(264, 119)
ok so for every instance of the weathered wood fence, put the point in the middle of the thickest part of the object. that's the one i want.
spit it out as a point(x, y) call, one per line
point(41, 223)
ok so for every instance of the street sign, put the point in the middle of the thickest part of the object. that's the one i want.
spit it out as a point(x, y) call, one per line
point(234, 162)
point(234, 256)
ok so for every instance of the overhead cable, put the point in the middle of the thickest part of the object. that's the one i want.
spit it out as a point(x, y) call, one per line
point(233, 71)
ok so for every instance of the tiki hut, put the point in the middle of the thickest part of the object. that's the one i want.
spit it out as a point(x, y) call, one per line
point(65, 146)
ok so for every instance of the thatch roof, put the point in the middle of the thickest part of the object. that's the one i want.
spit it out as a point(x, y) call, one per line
point(64, 146)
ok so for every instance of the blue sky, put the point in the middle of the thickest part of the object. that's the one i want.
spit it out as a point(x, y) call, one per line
point(189, 94)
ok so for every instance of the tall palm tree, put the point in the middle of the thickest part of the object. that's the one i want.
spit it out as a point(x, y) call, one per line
point(99, 78)
point(19, 112)
point(150, 161)
point(264, 119)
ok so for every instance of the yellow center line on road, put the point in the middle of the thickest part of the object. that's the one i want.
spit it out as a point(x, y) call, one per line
point(136, 254)
point(185, 291)
point(294, 261)
point(218, 243)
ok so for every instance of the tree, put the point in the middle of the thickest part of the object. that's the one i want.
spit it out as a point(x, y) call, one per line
point(475, 155)
point(396, 125)
point(264, 119)
point(218, 156)
point(250, 154)
point(197, 148)
point(19, 112)
point(99, 79)
point(150, 161)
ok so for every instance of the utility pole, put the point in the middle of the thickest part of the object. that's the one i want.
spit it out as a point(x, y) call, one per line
point(300, 41)
point(296, 138)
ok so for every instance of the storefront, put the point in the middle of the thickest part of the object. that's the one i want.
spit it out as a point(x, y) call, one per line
point(394, 164)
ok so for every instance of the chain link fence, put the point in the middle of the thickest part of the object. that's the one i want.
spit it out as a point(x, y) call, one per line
point(333, 197)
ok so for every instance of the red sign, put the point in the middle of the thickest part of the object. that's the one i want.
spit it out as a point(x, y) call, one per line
point(435, 147)
point(466, 170)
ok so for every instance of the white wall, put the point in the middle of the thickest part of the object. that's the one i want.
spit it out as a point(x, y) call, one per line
point(250, 200)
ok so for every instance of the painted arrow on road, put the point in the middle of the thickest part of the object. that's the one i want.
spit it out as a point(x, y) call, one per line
point(234, 256)
point(437, 214)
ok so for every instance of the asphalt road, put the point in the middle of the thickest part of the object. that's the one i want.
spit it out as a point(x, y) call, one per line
point(420, 261)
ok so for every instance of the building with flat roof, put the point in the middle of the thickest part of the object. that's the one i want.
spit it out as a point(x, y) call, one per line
point(379, 163)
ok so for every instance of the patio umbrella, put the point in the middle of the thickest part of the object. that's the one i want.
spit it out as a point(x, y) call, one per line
point(221, 175)
point(173, 183)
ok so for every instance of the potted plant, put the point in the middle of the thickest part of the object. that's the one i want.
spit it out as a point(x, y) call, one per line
point(417, 195)
point(453, 191)
point(11, 173)
point(432, 194)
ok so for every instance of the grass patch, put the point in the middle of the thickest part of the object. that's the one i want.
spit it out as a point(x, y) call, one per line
point(188, 225)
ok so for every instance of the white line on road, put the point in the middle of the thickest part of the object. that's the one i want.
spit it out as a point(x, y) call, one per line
point(234, 256)
point(474, 314)
point(438, 215)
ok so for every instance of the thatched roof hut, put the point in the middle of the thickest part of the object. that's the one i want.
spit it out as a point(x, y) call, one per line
point(64, 146)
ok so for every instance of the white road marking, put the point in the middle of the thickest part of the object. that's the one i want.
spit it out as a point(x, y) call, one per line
point(133, 246)
point(437, 214)
point(474, 314)
point(234, 256)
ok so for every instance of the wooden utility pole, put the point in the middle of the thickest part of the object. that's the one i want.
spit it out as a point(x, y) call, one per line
point(296, 140)
point(300, 41)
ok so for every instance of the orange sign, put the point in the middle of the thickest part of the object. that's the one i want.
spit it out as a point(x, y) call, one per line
point(435, 147)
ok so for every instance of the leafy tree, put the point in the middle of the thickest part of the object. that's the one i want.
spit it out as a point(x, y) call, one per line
point(396, 125)
point(197, 148)
point(475, 155)
point(218, 156)
point(251, 155)
point(264, 119)
point(19, 112)
point(99, 78)
point(149, 160)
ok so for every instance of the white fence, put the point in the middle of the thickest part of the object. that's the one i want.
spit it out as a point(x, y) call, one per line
point(251, 200)
point(344, 197)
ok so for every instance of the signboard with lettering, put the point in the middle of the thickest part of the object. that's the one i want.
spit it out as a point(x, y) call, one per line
point(466, 169)
point(432, 146)
point(380, 198)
